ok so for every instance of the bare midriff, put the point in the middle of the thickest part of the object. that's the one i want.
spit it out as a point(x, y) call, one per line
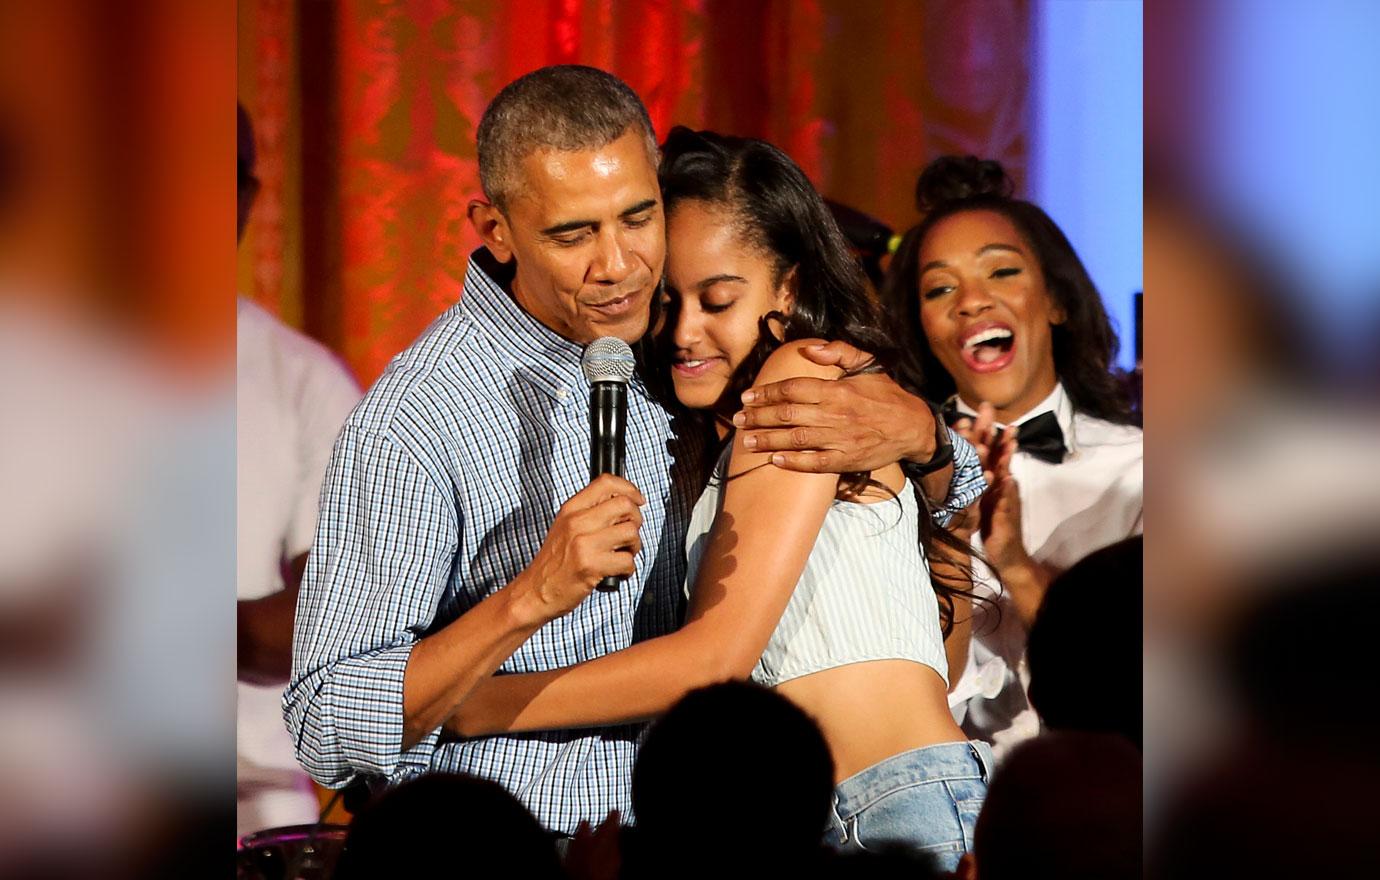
point(873, 710)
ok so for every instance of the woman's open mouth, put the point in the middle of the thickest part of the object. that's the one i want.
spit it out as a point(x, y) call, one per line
point(989, 347)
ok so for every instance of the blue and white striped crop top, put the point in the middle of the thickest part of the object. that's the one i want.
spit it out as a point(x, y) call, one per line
point(865, 593)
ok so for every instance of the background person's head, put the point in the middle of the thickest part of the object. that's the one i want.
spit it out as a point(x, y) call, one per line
point(246, 184)
point(990, 299)
point(441, 824)
point(1066, 805)
point(747, 236)
point(732, 756)
point(1084, 649)
point(567, 160)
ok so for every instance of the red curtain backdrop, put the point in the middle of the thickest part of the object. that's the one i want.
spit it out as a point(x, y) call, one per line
point(366, 114)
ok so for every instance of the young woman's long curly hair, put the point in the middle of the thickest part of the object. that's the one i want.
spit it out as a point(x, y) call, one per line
point(775, 209)
point(1084, 344)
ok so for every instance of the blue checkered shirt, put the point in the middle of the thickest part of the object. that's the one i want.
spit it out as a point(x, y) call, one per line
point(443, 484)
point(967, 484)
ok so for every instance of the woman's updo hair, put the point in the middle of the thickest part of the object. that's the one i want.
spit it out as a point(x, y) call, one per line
point(950, 179)
point(1084, 345)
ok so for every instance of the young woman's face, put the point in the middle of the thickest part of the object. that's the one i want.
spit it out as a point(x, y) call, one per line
point(717, 289)
point(986, 313)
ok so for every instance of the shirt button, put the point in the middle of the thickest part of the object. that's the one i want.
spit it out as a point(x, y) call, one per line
point(562, 394)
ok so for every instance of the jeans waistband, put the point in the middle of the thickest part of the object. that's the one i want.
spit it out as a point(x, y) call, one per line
point(945, 761)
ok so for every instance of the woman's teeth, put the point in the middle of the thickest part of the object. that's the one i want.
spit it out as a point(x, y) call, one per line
point(989, 345)
point(991, 334)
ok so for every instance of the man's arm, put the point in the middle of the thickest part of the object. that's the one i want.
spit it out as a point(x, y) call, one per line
point(368, 694)
point(263, 630)
point(860, 423)
point(595, 534)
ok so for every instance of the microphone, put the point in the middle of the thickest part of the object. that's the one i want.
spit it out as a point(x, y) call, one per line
point(608, 365)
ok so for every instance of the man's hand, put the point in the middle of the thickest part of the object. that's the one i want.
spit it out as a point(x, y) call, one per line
point(858, 423)
point(594, 535)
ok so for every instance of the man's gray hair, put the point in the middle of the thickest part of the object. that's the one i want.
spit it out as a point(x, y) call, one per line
point(565, 107)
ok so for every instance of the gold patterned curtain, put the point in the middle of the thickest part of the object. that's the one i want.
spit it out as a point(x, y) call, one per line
point(366, 112)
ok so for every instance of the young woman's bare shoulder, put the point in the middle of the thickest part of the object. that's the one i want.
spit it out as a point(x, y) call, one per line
point(789, 362)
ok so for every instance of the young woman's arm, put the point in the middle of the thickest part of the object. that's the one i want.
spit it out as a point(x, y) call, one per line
point(763, 533)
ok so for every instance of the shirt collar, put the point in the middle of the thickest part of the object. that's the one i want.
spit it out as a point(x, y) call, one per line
point(549, 360)
point(1057, 402)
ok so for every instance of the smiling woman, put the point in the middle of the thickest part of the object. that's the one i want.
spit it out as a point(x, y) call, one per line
point(997, 315)
point(986, 311)
point(985, 263)
point(711, 272)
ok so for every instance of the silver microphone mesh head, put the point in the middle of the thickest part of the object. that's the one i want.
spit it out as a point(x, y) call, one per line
point(608, 359)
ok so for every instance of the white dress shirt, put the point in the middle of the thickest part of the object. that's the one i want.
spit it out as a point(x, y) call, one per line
point(1091, 500)
point(293, 395)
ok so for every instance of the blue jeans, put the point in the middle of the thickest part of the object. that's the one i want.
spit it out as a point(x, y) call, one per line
point(925, 800)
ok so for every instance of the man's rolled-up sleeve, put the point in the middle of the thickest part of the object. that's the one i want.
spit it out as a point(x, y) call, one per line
point(384, 547)
point(967, 484)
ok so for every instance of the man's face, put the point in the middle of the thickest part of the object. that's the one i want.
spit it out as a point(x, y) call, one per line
point(588, 233)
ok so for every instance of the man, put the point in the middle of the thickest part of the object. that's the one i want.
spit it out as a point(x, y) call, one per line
point(292, 396)
point(458, 536)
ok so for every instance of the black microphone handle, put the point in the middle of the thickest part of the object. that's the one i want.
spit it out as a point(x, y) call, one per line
point(608, 420)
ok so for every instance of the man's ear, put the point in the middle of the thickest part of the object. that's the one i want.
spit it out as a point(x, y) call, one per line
point(493, 229)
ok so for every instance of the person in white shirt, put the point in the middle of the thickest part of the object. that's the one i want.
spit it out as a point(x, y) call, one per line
point(292, 397)
point(999, 318)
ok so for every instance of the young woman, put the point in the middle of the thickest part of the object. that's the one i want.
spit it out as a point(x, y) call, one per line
point(997, 315)
point(819, 586)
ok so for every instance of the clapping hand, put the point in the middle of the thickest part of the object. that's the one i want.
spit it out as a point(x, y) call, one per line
point(998, 517)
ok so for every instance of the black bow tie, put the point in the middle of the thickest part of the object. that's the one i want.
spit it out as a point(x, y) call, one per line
point(1041, 437)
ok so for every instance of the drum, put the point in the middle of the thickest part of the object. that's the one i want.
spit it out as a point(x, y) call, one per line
point(293, 852)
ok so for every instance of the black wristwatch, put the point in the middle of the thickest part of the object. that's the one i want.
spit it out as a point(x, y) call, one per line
point(943, 446)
